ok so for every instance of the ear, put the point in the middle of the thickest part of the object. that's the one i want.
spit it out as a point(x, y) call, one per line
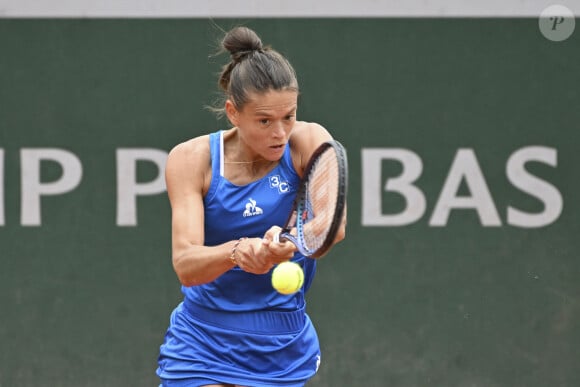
point(231, 112)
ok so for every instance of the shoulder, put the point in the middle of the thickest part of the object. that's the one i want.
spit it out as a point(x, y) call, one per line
point(189, 161)
point(307, 132)
point(305, 138)
point(193, 150)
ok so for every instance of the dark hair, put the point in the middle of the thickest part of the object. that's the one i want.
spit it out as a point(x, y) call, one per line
point(253, 68)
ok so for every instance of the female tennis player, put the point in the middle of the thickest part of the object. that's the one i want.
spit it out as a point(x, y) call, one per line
point(229, 192)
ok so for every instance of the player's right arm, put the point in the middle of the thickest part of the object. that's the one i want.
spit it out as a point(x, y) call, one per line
point(187, 176)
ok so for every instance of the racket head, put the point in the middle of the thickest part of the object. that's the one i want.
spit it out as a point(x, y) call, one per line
point(320, 202)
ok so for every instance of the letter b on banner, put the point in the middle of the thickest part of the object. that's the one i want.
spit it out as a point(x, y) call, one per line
point(403, 184)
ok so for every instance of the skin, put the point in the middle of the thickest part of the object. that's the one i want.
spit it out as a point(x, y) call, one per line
point(262, 128)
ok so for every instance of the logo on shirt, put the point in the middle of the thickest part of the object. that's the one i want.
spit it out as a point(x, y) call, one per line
point(252, 209)
point(279, 184)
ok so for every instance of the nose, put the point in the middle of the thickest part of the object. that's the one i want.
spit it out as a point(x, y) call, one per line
point(278, 130)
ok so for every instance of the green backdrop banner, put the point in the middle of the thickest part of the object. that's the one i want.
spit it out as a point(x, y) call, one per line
point(460, 266)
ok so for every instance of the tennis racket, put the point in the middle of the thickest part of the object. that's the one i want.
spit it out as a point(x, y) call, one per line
point(318, 209)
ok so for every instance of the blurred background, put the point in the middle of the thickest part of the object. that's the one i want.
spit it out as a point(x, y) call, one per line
point(461, 264)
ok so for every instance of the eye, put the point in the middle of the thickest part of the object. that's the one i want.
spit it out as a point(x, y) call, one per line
point(265, 121)
point(289, 117)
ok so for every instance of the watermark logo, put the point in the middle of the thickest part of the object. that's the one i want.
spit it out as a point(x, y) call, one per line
point(557, 23)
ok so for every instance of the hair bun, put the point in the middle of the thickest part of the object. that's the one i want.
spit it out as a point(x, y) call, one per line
point(241, 41)
point(252, 68)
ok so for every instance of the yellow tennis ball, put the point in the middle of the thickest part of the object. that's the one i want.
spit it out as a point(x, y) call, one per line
point(287, 277)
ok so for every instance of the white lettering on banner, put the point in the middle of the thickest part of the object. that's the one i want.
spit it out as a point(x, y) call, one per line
point(33, 188)
point(371, 196)
point(127, 186)
point(2, 187)
point(463, 168)
point(547, 193)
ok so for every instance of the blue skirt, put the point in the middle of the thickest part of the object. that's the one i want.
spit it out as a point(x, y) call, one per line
point(258, 349)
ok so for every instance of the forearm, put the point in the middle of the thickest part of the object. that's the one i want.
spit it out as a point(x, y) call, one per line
point(340, 234)
point(197, 265)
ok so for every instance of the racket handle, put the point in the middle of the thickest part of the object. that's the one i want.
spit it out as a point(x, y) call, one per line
point(281, 237)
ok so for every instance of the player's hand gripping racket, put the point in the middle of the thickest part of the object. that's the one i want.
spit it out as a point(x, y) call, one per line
point(318, 209)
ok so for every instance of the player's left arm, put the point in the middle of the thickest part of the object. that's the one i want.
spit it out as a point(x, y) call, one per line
point(306, 137)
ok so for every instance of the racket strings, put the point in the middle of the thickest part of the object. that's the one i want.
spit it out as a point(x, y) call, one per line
point(322, 194)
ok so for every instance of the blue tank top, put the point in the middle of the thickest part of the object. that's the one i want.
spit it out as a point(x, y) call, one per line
point(232, 212)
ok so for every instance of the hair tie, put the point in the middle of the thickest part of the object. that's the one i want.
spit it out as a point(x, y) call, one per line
point(240, 55)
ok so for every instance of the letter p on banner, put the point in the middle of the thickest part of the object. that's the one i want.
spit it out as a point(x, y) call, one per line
point(127, 186)
point(33, 188)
